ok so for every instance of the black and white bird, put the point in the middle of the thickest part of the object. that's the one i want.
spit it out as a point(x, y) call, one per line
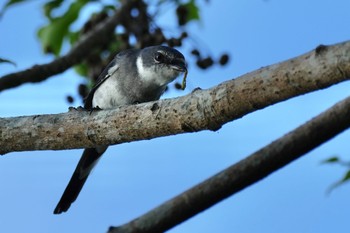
point(133, 76)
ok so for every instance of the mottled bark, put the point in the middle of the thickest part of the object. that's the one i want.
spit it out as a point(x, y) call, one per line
point(200, 110)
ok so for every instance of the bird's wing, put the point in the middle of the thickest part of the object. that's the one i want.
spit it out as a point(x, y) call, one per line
point(106, 73)
point(112, 67)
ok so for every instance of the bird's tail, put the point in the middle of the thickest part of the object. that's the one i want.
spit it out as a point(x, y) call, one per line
point(87, 161)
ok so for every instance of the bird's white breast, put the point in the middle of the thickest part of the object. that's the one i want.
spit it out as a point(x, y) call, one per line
point(108, 95)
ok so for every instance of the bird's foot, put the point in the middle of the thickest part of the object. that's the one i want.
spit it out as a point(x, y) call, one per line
point(79, 109)
point(82, 109)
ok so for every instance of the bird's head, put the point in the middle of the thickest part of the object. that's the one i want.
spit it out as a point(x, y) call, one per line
point(160, 65)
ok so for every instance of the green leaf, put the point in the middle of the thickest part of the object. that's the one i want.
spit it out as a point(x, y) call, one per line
point(51, 37)
point(53, 34)
point(74, 37)
point(8, 4)
point(114, 45)
point(331, 160)
point(187, 12)
point(345, 178)
point(193, 10)
point(51, 5)
point(107, 8)
point(81, 69)
point(2, 60)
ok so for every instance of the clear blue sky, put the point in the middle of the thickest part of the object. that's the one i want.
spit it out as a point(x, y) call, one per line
point(135, 177)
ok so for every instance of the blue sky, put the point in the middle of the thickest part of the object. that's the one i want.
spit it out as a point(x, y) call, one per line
point(135, 177)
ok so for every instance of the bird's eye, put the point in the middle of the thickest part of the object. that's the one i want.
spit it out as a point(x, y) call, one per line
point(159, 57)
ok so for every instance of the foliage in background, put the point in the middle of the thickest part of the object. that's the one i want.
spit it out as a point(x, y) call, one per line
point(346, 177)
point(139, 29)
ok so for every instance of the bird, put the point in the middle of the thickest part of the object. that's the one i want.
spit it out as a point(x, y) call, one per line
point(133, 76)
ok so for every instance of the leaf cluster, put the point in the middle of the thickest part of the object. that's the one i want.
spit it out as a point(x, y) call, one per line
point(335, 160)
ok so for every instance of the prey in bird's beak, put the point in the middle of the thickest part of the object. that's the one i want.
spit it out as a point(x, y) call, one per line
point(181, 67)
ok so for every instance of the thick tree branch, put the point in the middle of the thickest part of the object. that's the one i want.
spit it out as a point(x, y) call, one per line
point(203, 109)
point(246, 172)
point(97, 37)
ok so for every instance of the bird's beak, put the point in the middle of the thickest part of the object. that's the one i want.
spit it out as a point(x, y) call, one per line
point(179, 66)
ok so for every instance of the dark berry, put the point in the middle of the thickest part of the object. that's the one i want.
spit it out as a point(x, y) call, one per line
point(178, 86)
point(224, 59)
point(205, 63)
point(82, 90)
point(195, 52)
point(182, 15)
point(184, 35)
point(70, 99)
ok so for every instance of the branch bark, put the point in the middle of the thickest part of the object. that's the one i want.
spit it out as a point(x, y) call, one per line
point(97, 37)
point(200, 110)
point(246, 172)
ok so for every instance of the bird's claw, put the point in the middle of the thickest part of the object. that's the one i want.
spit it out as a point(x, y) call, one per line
point(79, 109)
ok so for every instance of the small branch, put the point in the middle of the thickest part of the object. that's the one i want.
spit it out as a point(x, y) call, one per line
point(97, 37)
point(246, 172)
point(201, 110)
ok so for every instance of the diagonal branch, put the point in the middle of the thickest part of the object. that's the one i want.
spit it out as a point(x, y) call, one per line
point(246, 172)
point(97, 37)
point(201, 110)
